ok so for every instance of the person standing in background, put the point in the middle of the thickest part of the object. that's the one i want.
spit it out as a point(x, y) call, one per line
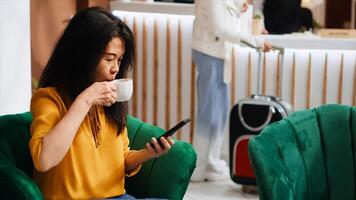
point(283, 16)
point(215, 30)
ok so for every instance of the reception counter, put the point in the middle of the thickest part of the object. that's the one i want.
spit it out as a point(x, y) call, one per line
point(311, 71)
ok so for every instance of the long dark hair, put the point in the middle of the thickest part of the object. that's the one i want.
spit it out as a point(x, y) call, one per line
point(77, 53)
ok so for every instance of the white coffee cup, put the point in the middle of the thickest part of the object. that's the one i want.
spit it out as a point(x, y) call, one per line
point(124, 89)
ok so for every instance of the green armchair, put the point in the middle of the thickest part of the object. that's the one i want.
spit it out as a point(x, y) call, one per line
point(309, 155)
point(165, 177)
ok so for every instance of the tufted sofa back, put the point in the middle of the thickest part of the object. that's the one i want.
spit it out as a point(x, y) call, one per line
point(309, 155)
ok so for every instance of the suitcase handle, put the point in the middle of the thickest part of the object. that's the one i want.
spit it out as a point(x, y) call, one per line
point(271, 111)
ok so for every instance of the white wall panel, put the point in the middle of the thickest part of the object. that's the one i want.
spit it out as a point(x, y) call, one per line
point(15, 55)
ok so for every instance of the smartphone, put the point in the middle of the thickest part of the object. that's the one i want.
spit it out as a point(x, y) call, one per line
point(171, 131)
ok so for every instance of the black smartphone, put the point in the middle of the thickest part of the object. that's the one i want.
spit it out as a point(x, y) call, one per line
point(171, 131)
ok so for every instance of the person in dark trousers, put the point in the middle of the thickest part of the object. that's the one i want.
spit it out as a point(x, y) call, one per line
point(284, 16)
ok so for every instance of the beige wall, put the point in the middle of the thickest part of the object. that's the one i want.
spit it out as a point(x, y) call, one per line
point(48, 20)
point(102, 3)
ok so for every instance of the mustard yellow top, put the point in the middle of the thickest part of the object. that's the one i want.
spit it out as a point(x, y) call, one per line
point(86, 171)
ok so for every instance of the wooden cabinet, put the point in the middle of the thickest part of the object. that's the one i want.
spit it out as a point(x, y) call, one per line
point(338, 14)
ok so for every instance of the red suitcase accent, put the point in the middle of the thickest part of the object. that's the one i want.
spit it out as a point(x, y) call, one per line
point(244, 169)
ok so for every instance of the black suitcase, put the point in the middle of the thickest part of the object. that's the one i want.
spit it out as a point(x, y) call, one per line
point(247, 118)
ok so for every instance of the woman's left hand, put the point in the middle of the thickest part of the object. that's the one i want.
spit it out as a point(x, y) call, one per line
point(267, 47)
point(159, 150)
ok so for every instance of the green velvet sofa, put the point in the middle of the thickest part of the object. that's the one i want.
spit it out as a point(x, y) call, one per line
point(165, 177)
point(309, 155)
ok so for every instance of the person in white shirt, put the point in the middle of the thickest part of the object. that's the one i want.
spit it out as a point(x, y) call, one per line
point(216, 28)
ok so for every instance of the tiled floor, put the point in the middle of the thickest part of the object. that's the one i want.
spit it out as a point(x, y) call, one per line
point(222, 190)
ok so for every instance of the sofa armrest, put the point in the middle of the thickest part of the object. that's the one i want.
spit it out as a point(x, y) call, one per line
point(15, 184)
point(165, 177)
point(170, 174)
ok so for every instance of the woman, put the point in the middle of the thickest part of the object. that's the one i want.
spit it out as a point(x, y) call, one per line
point(216, 28)
point(79, 142)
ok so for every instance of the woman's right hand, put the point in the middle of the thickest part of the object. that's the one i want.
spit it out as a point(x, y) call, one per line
point(244, 7)
point(100, 93)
